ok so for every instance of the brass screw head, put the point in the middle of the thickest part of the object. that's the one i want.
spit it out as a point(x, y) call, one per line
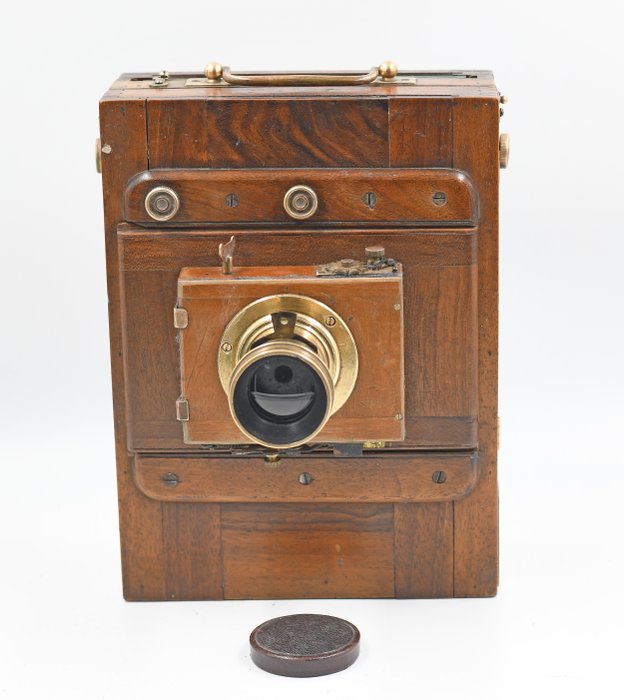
point(397, 307)
point(399, 416)
point(300, 202)
point(440, 199)
point(213, 70)
point(226, 347)
point(388, 70)
point(330, 321)
point(170, 479)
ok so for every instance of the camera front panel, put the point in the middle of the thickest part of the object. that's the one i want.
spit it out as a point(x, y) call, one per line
point(281, 357)
point(437, 283)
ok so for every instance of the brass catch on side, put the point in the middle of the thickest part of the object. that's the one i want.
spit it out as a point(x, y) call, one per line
point(161, 80)
point(180, 317)
point(182, 409)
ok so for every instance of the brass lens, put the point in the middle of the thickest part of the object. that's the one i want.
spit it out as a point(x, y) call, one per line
point(281, 394)
point(286, 369)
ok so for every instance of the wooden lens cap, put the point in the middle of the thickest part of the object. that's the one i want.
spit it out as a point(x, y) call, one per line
point(302, 646)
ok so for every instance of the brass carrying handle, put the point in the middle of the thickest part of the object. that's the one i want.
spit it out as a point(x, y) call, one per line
point(215, 72)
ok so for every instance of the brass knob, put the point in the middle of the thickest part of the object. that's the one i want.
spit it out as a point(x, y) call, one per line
point(388, 70)
point(503, 150)
point(213, 70)
point(162, 203)
point(375, 252)
point(98, 155)
point(300, 202)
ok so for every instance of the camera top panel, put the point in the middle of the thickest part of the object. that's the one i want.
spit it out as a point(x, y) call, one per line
point(166, 85)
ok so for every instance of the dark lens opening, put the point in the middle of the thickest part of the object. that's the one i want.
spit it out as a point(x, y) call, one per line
point(280, 399)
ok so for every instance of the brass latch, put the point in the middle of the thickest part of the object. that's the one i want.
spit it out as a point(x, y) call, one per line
point(180, 317)
point(226, 253)
point(376, 263)
point(182, 409)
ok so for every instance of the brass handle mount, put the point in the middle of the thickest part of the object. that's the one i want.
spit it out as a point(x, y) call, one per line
point(215, 72)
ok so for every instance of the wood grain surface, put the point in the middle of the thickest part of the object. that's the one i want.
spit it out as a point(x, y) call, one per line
point(372, 308)
point(404, 478)
point(308, 551)
point(403, 196)
point(339, 543)
point(475, 150)
point(439, 315)
point(123, 128)
point(268, 134)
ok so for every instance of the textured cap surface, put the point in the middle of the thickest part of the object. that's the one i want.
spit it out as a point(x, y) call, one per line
point(305, 645)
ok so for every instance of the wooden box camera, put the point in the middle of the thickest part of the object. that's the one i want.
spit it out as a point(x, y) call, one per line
point(302, 275)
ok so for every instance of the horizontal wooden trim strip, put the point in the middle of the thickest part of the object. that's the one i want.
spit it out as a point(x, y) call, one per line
point(427, 433)
point(401, 196)
point(147, 249)
point(374, 479)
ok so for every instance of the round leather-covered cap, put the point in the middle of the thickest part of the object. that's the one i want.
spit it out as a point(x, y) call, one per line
point(302, 646)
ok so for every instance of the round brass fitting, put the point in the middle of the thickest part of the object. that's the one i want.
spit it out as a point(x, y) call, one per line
point(287, 371)
point(300, 202)
point(162, 203)
point(213, 71)
point(388, 70)
point(503, 150)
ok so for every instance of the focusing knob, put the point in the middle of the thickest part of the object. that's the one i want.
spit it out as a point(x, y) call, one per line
point(300, 202)
point(503, 150)
point(162, 203)
point(375, 252)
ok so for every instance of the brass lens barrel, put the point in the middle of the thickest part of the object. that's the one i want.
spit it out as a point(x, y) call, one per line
point(280, 349)
point(287, 363)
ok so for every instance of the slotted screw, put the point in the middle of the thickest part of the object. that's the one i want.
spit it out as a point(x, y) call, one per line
point(171, 479)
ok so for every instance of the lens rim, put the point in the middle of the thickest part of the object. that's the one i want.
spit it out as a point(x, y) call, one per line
point(244, 370)
point(335, 344)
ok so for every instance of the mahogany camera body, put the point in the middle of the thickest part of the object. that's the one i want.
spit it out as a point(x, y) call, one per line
point(302, 276)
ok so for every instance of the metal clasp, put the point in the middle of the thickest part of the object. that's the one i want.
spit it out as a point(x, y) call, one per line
point(226, 253)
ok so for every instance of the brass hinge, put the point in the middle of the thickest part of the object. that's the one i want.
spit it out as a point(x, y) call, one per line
point(182, 409)
point(180, 317)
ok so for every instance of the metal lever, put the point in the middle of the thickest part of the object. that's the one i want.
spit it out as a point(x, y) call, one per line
point(226, 253)
point(215, 72)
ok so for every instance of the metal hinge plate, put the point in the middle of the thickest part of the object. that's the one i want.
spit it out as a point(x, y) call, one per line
point(182, 409)
point(180, 317)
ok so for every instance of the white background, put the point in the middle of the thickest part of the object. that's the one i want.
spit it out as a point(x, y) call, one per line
point(555, 629)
